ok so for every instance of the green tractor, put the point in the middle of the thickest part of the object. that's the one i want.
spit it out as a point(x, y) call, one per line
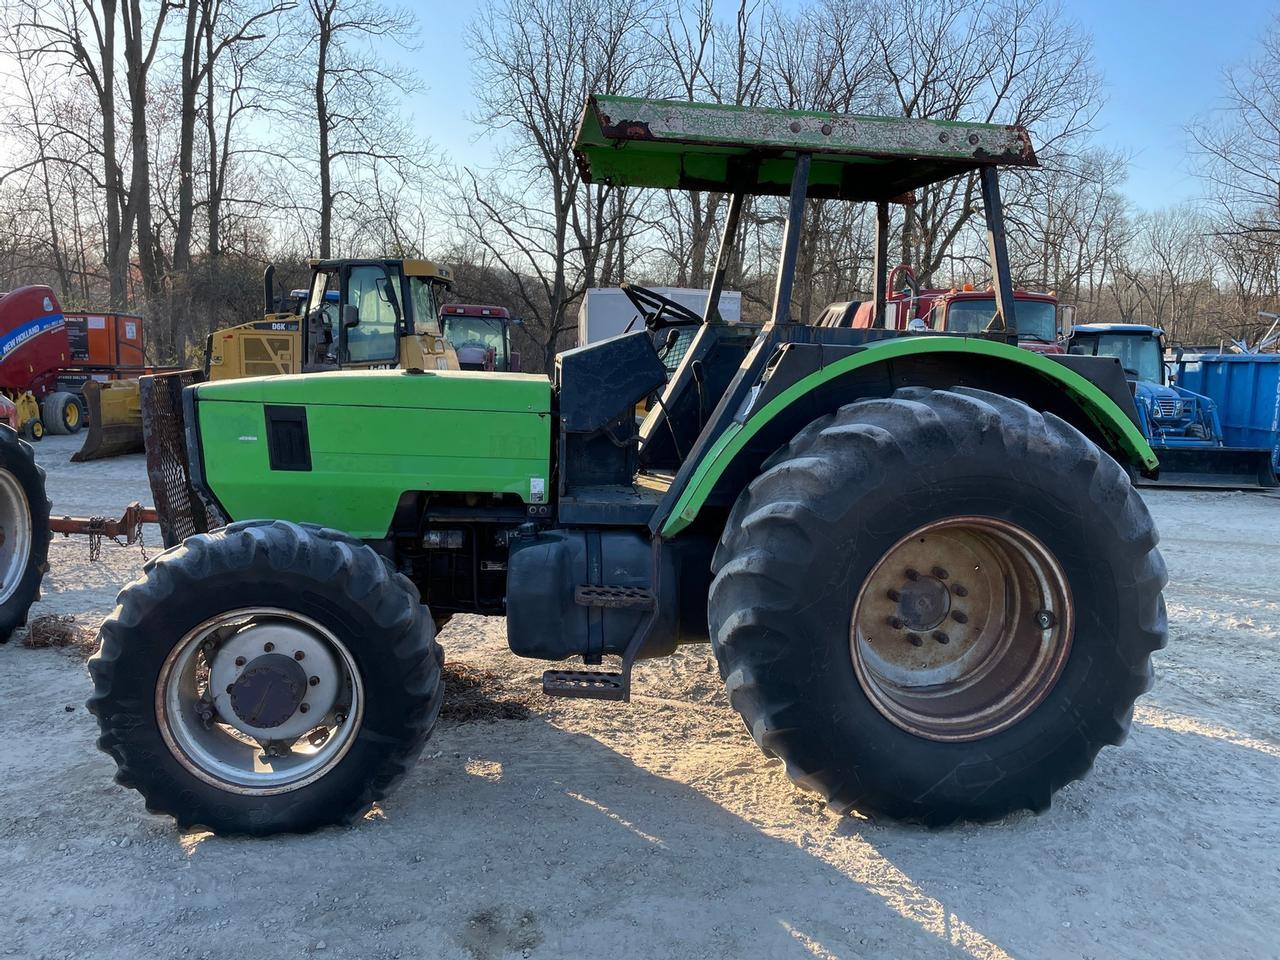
point(932, 590)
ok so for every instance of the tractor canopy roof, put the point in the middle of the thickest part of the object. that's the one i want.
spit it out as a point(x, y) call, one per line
point(626, 141)
point(1138, 329)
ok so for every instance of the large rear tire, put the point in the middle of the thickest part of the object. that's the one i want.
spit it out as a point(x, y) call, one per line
point(24, 531)
point(938, 606)
point(266, 678)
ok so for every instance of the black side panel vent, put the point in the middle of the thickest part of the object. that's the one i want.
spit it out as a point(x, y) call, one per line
point(288, 446)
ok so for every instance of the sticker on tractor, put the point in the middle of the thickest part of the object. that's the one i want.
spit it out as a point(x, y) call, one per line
point(28, 331)
point(537, 490)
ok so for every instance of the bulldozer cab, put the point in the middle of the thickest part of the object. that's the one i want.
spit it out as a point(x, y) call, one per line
point(371, 314)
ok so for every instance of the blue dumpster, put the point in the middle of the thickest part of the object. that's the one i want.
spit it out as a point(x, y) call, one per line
point(1246, 388)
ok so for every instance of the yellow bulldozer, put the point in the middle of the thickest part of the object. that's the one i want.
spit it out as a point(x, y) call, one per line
point(356, 314)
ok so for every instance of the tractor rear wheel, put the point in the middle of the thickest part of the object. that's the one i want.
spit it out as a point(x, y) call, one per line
point(62, 412)
point(938, 606)
point(24, 531)
point(268, 677)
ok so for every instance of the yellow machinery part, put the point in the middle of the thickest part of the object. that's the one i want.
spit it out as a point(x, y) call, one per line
point(427, 352)
point(28, 412)
point(27, 404)
point(115, 420)
point(247, 352)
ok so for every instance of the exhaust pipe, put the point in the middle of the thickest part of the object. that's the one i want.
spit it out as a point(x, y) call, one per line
point(269, 289)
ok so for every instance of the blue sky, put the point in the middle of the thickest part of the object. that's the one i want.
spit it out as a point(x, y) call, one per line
point(1162, 63)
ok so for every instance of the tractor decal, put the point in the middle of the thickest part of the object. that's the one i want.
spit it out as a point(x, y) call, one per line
point(29, 331)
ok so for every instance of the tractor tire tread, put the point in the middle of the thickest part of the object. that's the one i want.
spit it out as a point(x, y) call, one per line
point(762, 571)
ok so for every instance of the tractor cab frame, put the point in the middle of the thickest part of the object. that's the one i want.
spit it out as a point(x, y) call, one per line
point(372, 314)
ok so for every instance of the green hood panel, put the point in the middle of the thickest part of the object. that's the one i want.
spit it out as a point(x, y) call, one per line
point(372, 436)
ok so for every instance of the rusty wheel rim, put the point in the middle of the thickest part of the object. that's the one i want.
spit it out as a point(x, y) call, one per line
point(961, 628)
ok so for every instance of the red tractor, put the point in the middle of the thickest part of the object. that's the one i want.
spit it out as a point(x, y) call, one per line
point(481, 335)
point(962, 310)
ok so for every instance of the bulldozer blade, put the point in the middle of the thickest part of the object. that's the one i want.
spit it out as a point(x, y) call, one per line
point(115, 420)
point(1224, 468)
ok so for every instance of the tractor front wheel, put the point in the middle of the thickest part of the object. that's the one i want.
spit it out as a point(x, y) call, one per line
point(24, 531)
point(938, 606)
point(267, 677)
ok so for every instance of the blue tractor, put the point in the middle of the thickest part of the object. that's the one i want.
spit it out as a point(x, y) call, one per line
point(1182, 427)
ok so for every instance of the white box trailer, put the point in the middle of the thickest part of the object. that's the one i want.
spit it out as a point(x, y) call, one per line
point(606, 311)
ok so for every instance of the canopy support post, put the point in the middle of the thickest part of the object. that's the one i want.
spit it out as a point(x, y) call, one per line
point(880, 266)
point(727, 240)
point(791, 241)
point(994, 212)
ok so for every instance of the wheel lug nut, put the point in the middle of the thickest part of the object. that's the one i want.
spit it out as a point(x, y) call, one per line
point(915, 639)
point(940, 573)
point(895, 623)
point(303, 708)
point(941, 637)
point(959, 591)
point(1044, 619)
point(268, 647)
point(894, 595)
point(911, 574)
point(239, 661)
point(298, 654)
point(959, 616)
point(313, 681)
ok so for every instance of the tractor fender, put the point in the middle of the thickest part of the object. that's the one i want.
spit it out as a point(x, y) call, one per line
point(876, 370)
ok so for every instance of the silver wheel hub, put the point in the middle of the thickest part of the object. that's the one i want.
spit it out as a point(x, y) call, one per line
point(259, 701)
point(274, 680)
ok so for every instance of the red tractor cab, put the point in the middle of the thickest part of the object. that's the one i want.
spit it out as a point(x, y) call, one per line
point(481, 335)
point(961, 310)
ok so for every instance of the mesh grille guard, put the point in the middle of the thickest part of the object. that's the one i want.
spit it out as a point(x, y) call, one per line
point(182, 512)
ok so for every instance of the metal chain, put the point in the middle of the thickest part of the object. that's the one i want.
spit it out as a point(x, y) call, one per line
point(96, 525)
point(96, 533)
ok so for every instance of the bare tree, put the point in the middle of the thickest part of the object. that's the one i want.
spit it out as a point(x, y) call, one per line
point(551, 234)
point(353, 107)
point(212, 30)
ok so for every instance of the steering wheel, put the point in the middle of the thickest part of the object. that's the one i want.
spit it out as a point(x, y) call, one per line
point(659, 312)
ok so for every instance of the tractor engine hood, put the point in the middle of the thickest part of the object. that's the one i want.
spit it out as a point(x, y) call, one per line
point(1153, 392)
point(341, 449)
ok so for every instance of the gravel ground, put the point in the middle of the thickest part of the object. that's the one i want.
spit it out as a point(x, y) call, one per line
point(657, 829)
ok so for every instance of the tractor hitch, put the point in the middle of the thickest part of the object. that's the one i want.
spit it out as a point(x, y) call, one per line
point(125, 531)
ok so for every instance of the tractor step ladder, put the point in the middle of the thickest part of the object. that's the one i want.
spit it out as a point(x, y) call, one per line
point(605, 684)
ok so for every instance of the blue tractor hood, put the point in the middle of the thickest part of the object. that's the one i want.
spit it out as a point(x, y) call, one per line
point(1152, 391)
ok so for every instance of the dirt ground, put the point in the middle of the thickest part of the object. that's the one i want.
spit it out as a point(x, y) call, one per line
point(657, 829)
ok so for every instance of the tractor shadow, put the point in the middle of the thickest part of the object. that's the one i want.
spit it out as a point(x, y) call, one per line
point(517, 838)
